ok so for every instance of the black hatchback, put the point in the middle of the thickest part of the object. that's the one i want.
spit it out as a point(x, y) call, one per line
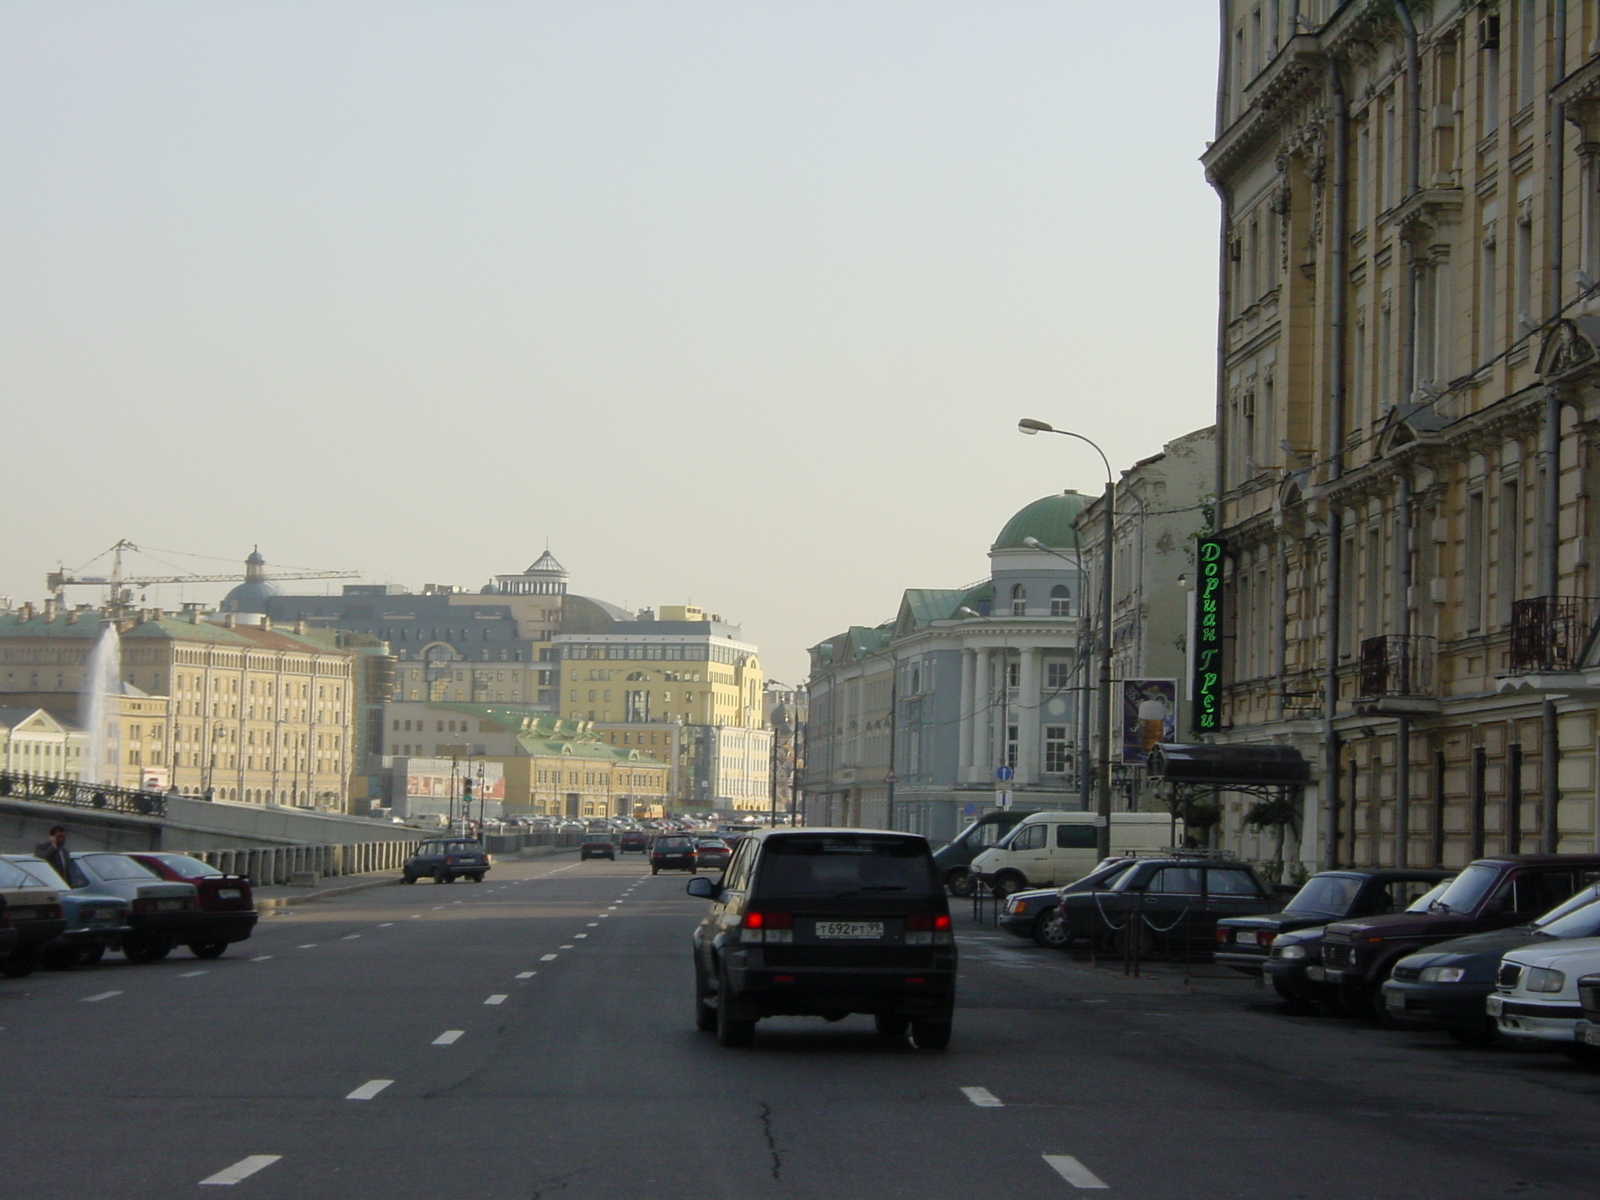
point(826, 922)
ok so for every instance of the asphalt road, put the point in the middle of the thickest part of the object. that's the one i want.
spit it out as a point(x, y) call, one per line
point(532, 1037)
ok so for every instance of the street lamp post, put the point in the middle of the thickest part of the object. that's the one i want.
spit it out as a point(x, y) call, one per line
point(1103, 816)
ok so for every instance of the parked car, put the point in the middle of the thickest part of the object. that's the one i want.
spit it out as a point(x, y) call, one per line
point(1536, 1000)
point(635, 841)
point(1245, 943)
point(162, 914)
point(1168, 902)
point(447, 859)
point(1445, 986)
point(1294, 961)
point(711, 854)
point(227, 902)
point(1491, 893)
point(96, 921)
point(1053, 848)
point(1586, 1033)
point(672, 852)
point(1032, 914)
point(35, 917)
point(597, 845)
point(826, 922)
point(954, 859)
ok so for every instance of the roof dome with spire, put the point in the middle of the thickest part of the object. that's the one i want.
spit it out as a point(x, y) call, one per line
point(251, 595)
point(1049, 520)
point(546, 577)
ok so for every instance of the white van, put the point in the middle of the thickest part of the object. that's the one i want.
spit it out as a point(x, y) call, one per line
point(1050, 849)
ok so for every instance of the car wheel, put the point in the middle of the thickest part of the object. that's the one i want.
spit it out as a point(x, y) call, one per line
point(1476, 1036)
point(408, 877)
point(476, 877)
point(1050, 932)
point(89, 955)
point(441, 876)
point(960, 882)
point(146, 949)
point(1330, 1003)
point(931, 1032)
point(1373, 1007)
point(15, 966)
point(655, 870)
point(891, 1025)
point(1008, 884)
point(731, 1029)
point(208, 949)
point(705, 1014)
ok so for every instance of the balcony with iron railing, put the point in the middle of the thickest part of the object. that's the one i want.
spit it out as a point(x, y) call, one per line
point(1398, 671)
point(1549, 633)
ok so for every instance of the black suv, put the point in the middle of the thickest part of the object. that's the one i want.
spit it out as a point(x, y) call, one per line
point(826, 922)
point(447, 859)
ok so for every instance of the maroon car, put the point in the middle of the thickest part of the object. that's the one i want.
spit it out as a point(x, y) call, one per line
point(227, 904)
point(711, 854)
point(633, 840)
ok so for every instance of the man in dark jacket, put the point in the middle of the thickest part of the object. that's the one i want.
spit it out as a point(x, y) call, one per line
point(54, 851)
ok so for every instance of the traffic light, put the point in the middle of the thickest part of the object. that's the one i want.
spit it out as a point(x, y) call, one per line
point(466, 788)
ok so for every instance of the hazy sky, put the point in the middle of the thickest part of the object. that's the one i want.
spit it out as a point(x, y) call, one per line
point(735, 303)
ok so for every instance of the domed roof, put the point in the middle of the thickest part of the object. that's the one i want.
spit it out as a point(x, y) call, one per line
point(249, 597)
point(1049, 520)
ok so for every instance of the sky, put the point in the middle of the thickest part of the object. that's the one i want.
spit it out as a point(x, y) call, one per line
point(728, 303)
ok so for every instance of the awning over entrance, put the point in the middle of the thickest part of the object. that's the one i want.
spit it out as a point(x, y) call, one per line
point(1242, 766)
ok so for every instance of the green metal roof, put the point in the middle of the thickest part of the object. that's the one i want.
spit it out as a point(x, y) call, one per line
point(1049, 519)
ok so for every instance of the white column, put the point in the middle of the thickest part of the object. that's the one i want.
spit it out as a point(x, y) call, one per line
point(968, 708)
point(1027, 717)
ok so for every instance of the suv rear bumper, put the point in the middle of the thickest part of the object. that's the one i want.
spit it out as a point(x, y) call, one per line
point(789, 992)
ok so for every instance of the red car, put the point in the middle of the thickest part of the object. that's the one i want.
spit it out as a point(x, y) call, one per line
point(634, 839)
point(227, 904)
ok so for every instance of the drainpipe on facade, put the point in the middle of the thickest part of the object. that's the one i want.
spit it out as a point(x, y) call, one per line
point(1402, 725)
point(1550, 566)
point(1338, 238)
point(1413, 182)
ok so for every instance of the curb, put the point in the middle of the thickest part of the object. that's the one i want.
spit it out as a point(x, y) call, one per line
point(269, 903)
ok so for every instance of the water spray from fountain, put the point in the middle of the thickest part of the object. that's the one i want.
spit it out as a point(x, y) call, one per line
point(98, 707)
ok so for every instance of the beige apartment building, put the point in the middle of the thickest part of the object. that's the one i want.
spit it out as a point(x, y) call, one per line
point(231, 706)
point(1409, 384)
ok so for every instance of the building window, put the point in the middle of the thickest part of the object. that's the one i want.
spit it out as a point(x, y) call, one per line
point(1019, 600)
point(1055, 749)
point(1060, 601)
point(1057, 675)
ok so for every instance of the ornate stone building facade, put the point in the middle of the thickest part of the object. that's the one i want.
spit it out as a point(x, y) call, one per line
point(1409, 390)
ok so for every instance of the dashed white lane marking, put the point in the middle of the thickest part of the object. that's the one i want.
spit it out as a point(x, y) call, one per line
point(578, 936)
point(307, 946)
point(569, 946)
point(613, 908)
point(385, 924)
point(192, 974)
point(243, 1169)
point(261, 958)
point(369, 1089)
point(982, 1097)
point(101, 996)
point(495, 1000)
point(436, 908)
point(449, 1037)
point(527, 975)
point(414, 917)
point(603, 916)
point(594, 924)
point(546, 957)
point(350, 937)
point(1074, 1172)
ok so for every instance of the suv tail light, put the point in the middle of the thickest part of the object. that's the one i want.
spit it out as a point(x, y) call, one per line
point(767, 927)
point(929, 929)
point(1223, 935)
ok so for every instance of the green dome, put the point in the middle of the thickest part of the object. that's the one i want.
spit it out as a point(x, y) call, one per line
point(1049, 520)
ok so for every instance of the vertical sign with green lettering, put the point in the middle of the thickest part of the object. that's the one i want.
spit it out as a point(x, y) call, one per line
point(1206, 656)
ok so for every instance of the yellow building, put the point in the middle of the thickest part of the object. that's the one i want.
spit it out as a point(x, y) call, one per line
point(228, 706)
point(1410, 388)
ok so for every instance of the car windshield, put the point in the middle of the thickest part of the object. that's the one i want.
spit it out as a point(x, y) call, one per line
point(116, 866)
point(190, 868)
point(846, 865)
point(979, 835)
point(1326, 895)
point(1468, 889)
point(1578, 912)
point(32, 873)
point(1424, 902)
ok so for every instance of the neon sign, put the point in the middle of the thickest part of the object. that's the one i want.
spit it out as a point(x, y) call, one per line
point(1205, 663)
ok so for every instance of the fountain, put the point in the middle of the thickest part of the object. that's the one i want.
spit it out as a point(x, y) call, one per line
point(98, 710)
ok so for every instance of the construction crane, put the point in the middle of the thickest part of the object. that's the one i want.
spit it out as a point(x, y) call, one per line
point(119, 587)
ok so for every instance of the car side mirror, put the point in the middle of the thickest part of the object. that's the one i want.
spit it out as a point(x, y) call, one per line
point(702, 887)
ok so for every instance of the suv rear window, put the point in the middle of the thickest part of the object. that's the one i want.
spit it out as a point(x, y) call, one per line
point(842, 865)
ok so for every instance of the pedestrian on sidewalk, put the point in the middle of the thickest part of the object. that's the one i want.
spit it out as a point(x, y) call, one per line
point(53, 850)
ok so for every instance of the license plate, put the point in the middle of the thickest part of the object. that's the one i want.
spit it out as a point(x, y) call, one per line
point(228, 893)
point(1244, 937)
point(849, 929)
point(1493, 1006)
point(168, 905)
point(1591, 1036)
point(1317, 973)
